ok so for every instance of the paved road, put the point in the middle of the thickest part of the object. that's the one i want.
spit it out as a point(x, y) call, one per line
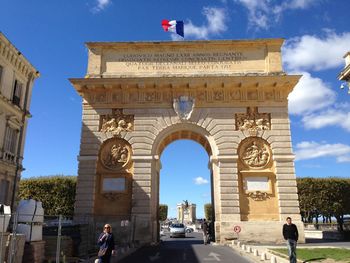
point(180, 250)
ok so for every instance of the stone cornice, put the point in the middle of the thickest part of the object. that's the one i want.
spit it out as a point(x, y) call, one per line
point(218, 91)
point(345, 74)
point(13, 56)
point(241, 42)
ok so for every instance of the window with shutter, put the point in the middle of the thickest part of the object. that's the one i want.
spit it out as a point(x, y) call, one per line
point(1, 71)
point(10, 144)
point(16, 99)
point(4, 188)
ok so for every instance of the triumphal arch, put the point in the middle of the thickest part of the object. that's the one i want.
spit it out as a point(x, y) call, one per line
point(230, 96)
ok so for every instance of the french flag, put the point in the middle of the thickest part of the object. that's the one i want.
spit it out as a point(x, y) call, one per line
point(174, 26)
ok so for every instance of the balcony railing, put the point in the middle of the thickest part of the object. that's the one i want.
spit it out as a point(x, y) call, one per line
point(9, 157)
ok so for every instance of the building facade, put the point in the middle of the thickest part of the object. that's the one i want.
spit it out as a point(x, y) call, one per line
point(229, 96)
point(345, 73)
point(17, 77)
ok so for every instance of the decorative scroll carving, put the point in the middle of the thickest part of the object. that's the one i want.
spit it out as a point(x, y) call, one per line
point(258, 195)
point(253, 121)
point(111, 196)
point(117, 122)
point(183, 107)
point(255, 153)
point(115, 154)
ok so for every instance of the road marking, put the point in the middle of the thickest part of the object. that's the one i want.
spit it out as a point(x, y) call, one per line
point(153, 258)
point(213, 257)
point(184, 256)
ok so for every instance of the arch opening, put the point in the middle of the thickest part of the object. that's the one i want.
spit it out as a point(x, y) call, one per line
point(183, 148)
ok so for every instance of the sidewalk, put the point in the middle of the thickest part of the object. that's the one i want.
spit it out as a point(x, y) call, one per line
point(263, 253)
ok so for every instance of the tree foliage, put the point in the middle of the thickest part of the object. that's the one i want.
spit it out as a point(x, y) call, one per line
point(208, 211)
point(163, 212)
point(326, 197)
point(57, 193)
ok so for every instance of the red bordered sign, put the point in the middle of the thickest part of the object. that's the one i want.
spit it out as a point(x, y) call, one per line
point(237, 229)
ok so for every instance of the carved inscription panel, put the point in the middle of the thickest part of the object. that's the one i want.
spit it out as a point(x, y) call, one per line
point(125, 62)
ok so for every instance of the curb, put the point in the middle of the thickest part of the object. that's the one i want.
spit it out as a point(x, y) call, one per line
point(256, 253)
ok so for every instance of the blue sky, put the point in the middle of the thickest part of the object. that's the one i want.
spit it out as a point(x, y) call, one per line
point(51, 35)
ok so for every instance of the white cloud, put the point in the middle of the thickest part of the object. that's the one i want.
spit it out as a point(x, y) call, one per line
point(200, 180)
point(311, 150)
point(316, 53)
point(101, 4)
point(343, 159)
point(339, 116)
point(216, 24)
point(309, 95)
point(262, 13)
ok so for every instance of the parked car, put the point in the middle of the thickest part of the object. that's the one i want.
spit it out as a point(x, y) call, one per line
point(177, 230)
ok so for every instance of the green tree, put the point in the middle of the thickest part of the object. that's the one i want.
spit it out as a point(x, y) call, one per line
point(57, 193)
point(163, 212)
point(208, 212)
point(327, 197)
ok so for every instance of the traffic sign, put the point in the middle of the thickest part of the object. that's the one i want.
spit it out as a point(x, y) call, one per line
point(237, 229)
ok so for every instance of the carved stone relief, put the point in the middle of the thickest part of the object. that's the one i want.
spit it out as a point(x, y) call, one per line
point(255, 153)
point(253, 121)
point(258, 195)
point(115, 154)
point(183, 106)
point(111, 196)
point(117, 122)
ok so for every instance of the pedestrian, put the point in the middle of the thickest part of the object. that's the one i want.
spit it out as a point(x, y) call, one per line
point(106, 243)
point(205, 231)
point(290, 233)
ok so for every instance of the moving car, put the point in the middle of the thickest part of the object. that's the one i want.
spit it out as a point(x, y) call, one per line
point(177, 230)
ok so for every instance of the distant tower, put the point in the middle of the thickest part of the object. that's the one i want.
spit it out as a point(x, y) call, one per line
point(186, 212)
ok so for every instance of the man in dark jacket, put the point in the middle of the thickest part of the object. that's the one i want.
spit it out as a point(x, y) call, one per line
point(205, 231)
point(290, 233)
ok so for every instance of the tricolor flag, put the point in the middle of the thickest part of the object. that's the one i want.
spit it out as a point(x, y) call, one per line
point(174, 26)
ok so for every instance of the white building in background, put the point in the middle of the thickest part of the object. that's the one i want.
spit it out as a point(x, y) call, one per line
point(345, 73)
point(17, 76)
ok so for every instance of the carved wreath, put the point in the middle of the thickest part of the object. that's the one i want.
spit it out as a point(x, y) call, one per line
point(258, 196)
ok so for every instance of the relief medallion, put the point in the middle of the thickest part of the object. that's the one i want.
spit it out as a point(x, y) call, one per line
point(255, 153)
point(115, 154)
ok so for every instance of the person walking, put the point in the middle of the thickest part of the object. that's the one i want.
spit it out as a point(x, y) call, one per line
point(205, 231)
point(290, 233)
point(106, 243)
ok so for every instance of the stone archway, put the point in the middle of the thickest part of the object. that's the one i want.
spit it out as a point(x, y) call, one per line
point(230, 96)
point(168, 135)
